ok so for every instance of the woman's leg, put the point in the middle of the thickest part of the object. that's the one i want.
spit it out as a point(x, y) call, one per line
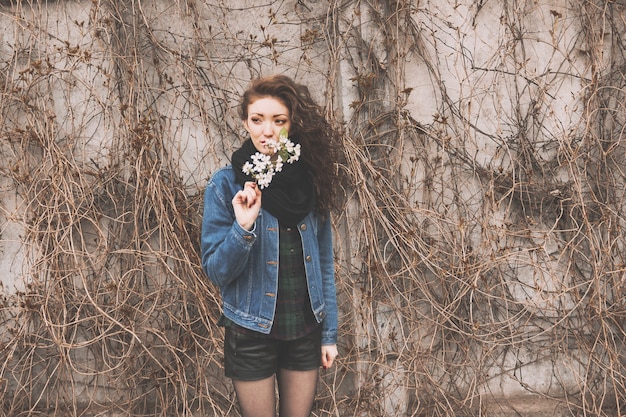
point(256, 398)
point(296, 392)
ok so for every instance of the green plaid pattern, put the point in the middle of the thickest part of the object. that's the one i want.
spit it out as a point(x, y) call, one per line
point(294, 317)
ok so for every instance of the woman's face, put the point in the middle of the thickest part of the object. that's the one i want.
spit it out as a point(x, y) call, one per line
point(266, 117)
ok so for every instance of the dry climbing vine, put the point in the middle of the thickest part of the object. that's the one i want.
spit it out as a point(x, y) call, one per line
point(480, 248)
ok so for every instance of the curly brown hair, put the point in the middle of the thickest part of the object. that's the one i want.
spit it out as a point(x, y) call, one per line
point(309, 127)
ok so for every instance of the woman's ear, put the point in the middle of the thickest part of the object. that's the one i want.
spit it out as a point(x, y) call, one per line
point(245, 125)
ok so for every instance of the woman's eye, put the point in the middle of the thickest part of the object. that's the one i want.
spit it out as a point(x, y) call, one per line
point(281, 122)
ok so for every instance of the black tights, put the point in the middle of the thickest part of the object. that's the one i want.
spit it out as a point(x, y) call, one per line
point(296, 391)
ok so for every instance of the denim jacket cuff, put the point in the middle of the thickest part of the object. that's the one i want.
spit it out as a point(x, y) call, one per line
point(248, 235)
point(329, 338)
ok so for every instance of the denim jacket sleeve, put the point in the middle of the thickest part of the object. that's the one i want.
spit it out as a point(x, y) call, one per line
point(327, 264)
point(225, 245)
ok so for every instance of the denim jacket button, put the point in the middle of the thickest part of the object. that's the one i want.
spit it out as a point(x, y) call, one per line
point(303, 227)
point(308, 258)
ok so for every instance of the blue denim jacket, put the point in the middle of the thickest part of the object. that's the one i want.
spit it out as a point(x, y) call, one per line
point(244, 264)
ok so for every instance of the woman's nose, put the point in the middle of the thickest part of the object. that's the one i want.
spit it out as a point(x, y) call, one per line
point(268, 129)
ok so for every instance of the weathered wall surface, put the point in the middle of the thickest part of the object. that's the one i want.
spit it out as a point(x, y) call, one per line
point(480, 244)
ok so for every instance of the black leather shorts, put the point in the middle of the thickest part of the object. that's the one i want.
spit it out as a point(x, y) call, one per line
point(250, 358)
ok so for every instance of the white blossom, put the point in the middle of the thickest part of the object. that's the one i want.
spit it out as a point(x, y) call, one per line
point(248, 168)
point(263, 167)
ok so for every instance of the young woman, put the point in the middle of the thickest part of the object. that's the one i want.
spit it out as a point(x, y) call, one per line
point(268, 246)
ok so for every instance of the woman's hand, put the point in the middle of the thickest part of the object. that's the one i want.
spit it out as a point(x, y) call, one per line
point(247, 204)
point(329, 353)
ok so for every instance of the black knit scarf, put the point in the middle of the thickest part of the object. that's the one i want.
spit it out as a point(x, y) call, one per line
point(291, 194)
